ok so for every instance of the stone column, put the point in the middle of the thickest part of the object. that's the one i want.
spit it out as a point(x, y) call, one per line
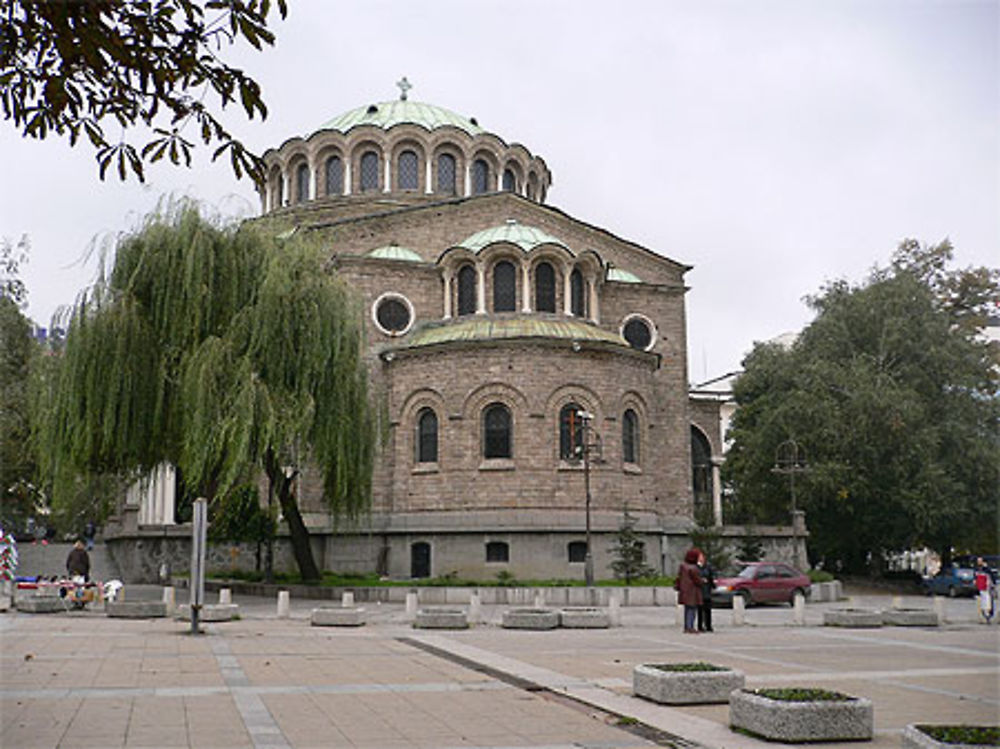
point(716, 491)
point(467, 180)
point(387, 186)
point(348, 171)
point(595, 313)
point(313, 183)
point(480, 289)
point(447, 296)
point(428, 187)
point(525, 288)
point(567, 291)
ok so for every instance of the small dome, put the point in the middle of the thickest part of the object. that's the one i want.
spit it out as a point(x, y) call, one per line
point(388, 113)
point(525, 237)
point(622, 276)
point(395, 252)
point(478, 328)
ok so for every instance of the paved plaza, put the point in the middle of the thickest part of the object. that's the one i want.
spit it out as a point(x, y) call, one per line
point(80, 679)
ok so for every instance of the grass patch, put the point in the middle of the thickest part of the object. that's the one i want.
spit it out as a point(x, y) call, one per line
point(688, 667)
point(975, 735)
point(800, 694)
point(820, 576)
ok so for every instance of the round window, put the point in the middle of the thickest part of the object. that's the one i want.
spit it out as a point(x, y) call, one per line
point(393, 314)
point(638, 331)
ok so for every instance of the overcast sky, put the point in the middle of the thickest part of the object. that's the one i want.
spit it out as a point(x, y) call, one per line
point(771, 145)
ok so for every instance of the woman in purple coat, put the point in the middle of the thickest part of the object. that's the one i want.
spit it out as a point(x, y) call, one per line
point(688, 587)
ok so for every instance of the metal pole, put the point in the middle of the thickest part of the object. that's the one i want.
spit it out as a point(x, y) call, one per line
point(199, 526)
point(588, 560)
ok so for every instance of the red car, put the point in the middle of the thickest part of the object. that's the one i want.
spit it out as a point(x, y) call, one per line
point(762, 582)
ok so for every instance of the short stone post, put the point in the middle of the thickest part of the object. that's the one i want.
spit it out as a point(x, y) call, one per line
point(475, 609)
point(347, 599)
point(284, 604)
point(739, 611)
point(614, 610)
point(170, 598)
point(411, 604)
point(799, 610)
point(897, 602)
point(225, 596)
point(939, 609)
point(679, 615)
point(539, 600)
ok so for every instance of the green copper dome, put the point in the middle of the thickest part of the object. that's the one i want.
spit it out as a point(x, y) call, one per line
point(385, 114)
point(482, 328)
point(525, 237)
point(395, 252)
point(622, 276)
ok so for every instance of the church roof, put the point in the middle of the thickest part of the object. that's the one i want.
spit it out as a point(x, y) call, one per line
point(395, 252)
point(385, 114)
point(479, 328)
point(622, 276)
point(525, 237)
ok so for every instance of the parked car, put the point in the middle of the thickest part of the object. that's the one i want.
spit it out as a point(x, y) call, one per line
point(761, 582)
point(951, 581)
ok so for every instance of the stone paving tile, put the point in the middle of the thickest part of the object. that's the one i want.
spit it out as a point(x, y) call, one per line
point(213, 721)
point(36, 723)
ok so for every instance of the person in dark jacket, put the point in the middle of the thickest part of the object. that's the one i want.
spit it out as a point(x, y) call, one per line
point(688, 587)
point(707, 584)
point(78, 562)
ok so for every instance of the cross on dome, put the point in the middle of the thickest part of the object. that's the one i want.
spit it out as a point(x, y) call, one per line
point(404, 87)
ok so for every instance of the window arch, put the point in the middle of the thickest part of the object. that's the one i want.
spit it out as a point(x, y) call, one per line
point(570, 431)
point(509, 181)
point(427, 436)
point(497, 431)
point(630, 436)
point(578, 304)
point(497, 551)
point(302, 183)
point(334, 176)
point(446, 174)
point(408, 171)
point(504, 287)
point(466, 290)
point(369, 171)
point(480, 177)
point(545, 288)
point(701, 468)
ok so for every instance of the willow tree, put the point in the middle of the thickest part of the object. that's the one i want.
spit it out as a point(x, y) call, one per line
point(224, 351)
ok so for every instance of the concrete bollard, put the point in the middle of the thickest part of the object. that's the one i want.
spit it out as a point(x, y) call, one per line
point(284, 604)
point(897, 602)
point(225, 596)
point(347, 600)
point(739, 611)
point(679, 615)
point(411, 605)
point(939, 609)
point(799, 610)
point(475, 609)
point(614, 610)
point(170, 598)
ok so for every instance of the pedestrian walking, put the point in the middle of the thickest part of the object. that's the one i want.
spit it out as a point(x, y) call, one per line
point(78, 562)
point(688, 587)
point(707, 584)
point(986, 587)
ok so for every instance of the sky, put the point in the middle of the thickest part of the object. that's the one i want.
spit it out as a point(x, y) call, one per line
point(772, 145)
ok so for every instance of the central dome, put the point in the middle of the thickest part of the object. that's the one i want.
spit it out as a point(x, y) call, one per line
point(386, 114)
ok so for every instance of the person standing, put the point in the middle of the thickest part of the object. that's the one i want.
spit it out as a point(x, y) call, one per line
point(89, 531)
point(688, 587)
point(707, 584)
point(78, 562)
point(984, 585)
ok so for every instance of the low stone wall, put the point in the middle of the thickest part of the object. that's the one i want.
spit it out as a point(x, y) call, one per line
point(584, 618)
point(858, 618)
point(40, 604)
point(135, 609)
point(350, 616)
point(910, 618)
point(210, 612)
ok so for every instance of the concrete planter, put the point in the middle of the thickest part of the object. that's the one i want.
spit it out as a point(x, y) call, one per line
point(135, 609)
point(530, 619)
point(858, 618)
point(829, 591)
point(441, 618)
point(652, 682)
point(339, 617)
point(914, 738)
point(584, 618)
point(797, 721)
point(910, 618)
point(40, 604)
point(210, 612)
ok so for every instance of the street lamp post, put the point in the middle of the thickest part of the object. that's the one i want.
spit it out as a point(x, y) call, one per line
point(589, 444)
point(789, 459)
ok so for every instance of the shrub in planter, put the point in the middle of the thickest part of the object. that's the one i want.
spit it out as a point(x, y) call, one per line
point(950, 736)
point(685, 683)
point(801, 714)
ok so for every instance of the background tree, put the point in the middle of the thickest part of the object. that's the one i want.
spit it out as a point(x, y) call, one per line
point(84, 68)
point(629, 552)
point(893, 396)
point(219, 350)
point(18, 493)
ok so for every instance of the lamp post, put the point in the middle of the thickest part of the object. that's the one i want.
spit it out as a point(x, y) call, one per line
point(590, 445)
point(789, 459)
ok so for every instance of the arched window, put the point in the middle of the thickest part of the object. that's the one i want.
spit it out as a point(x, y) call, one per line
point(427, 436)
point(576, 298)
point(480, 177)
point(334, 176)
point(504, 287)
point(302, 183)
point(466, 290)
point(369, 171)
point(577, 551)
point(570, 432)
point(545, 288)
point(630, 436)
point(497, 551)
point(701, 471)
point(496, 431)
point(408, 171)
point(446, 174)
point(509, 181)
